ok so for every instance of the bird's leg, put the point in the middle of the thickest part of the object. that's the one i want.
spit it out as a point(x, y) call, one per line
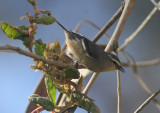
point(76, 64)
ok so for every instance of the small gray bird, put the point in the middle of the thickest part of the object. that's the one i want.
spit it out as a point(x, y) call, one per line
point(89, 54)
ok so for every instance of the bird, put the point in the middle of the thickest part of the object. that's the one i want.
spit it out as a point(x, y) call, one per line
point(89, 54)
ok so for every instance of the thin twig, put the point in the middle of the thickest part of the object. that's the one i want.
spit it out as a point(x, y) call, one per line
point(59, 98)
point(96, 38)
point(120, 26)
point(147, 101)
point(104, 29)
point(95, 75)
point(38, 109)
point(156, 5)
point(109, 23)
point(146, 89)
point(142, 83)
point(101, 32)
point(90, 83)
point(143, 63)
point(137, 31)
point(35, 56)
point(90, 23)
point(118, 92)
point(118, 89)
point(113, 43)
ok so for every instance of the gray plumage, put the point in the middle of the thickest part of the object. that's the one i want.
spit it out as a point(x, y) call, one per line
point(89, 54)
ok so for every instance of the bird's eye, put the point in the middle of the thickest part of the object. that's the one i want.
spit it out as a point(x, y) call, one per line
point(115, 63)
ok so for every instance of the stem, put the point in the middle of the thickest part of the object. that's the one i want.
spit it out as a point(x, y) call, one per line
point(90, 23)
point(35, 56)
point(156, 5)
point(90, 83)
point(144, 63)
point(118, 92)
point(109, 24)
point(147, 101)
point(137, 31)
point(113, 43)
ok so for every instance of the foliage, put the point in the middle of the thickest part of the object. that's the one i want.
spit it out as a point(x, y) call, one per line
point(40, 47)
point(51, 89)
point(84, 102)
point(20, 33)
point(43, 101)
point(44, 20)
point(55, 77)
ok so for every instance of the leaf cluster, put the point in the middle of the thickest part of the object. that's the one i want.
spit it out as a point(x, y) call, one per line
point(56, 78)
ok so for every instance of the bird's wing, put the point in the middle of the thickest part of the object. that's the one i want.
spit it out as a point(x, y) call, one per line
point(87, 46)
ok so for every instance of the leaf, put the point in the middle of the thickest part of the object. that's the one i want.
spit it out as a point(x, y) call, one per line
point(43, 101)
point(71, 73)
point(13, 32)
point(84, 102)
point(40, 47)
point(31, 2)
point(62, 90)
point(53, 50)
point(51, 89)
point(45, 20)
point(23, 28)
point(55, 47)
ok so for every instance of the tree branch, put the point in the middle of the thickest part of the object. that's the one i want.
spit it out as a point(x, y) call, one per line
point(35, 56)
point(155, 4)
point(92, 24)
point(118, 92)
point(145, 87)
point(140, 80)
point(147, 101)
point(113, 43)
point(143, 63)
point(109, 23)
point(137, 31)
point(101, 32)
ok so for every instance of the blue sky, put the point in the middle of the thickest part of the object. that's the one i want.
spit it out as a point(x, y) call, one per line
point(18, 80)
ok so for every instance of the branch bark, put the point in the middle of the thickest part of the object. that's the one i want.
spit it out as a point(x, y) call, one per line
point(147, 101)
point(143, 63)
point(155, 4)
point(35, 56)
point(113, 45)
point(137, 31)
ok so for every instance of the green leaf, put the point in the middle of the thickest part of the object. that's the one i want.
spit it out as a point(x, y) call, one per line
point(43, 101)
point(40, 47)
point(45, 20)
point(13, 32)
point(51, 89)
point(23, 28)
point(84, 102)
point(71, 73)
point(55, 47)
point(53, 50)
point(62, 90)
point(31, 2)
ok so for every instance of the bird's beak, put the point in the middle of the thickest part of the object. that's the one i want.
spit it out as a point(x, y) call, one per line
point(121, 69)
point(62, 27)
